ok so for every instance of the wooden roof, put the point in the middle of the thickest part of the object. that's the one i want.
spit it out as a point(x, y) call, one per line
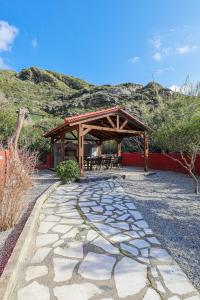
point(105, 124)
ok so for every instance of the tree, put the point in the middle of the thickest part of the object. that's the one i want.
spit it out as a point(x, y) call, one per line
point(177, 129)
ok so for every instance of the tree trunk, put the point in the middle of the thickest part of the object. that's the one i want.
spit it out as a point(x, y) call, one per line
point(189, 168)
point(196, 183)
point(13, 140)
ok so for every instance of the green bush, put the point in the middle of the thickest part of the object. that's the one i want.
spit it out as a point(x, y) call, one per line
point(68, 170)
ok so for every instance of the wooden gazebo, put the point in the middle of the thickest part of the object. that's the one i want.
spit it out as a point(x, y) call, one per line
point(107, 124)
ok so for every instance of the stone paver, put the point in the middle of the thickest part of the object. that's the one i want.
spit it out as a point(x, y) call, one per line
point(93, 243)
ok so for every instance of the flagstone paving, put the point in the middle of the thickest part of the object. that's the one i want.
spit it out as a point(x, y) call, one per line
point(92, 243)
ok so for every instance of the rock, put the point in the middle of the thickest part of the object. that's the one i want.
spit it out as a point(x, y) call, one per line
point(74, 249)
point(129, 249)
point(81, 291)
point(45, 226)
point(61, 228)
point(34, 291)
point(46, 239)
point(40, 255)
point(139, 243)
point(151, 295)
point(33, 272)
point(104, 244)
point(96, 266)
point(63, 268)
point(130, 277)
point(175, 280)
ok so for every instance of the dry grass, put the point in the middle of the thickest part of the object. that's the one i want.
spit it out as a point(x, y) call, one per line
point(15, 178)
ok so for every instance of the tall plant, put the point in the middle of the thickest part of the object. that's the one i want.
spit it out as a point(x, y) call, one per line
point(177, 129)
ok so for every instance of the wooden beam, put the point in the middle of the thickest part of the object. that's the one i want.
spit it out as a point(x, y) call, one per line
point(86, 140)
point(94, 127)
point(91, 119)
point(123, 124)
point(146, 152)
point(111, 122)
point(86, 131)
point(80, 149)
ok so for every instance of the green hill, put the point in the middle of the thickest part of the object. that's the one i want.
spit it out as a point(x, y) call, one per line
point(49, 96)
point(46, 92)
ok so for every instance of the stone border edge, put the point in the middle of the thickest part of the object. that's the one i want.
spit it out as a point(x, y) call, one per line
point(8, 278)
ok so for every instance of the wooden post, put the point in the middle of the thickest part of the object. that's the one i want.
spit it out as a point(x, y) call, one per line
point(119, 146)
point(146, 153)
point(99, 148)
point(62, 145)
point(81, 149)
point(52, 152)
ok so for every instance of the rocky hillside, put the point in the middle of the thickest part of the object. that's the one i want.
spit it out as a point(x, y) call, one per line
point(47, 93)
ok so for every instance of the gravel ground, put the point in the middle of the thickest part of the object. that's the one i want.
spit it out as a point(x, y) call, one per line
point(42, 180)
point(173, 212)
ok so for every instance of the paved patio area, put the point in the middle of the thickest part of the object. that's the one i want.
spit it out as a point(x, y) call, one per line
point(92, 243)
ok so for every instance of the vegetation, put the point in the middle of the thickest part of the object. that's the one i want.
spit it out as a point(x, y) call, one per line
point(15, 173)
point(176, 128)
point(50, 96)
point(68, 170)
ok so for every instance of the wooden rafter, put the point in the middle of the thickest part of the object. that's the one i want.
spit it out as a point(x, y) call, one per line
point(111, 122)
point(86, 131)
point(123, 124)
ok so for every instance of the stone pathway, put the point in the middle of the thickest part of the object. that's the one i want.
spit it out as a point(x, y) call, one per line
point(92, 243)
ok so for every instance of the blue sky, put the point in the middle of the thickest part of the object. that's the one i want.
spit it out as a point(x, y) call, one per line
point(104, 41)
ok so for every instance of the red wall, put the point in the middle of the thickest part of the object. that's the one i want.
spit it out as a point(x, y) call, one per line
point(157, 161)
point(4, 157)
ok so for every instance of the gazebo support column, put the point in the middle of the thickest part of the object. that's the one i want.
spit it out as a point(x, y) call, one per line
point(146, 153)
point(62, 144)
point(52, 152)
point(99, 148)
point(119, 148)
point(80, 149)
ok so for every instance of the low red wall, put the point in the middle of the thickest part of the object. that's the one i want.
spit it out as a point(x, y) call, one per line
point(157, 161)
point(4, 154)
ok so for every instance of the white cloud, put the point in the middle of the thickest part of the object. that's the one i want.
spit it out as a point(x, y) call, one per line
point(7, 35)
point(168, 69)
point(183, 50)
point(134, 60)
point(186, 49)
point(34, 43)
point(186, 89)
point(157, 56)
point(175, 88)
point(3, 65)
point(156, 42)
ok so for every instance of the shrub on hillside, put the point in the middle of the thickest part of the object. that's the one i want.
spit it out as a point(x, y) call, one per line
point(68, 170)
